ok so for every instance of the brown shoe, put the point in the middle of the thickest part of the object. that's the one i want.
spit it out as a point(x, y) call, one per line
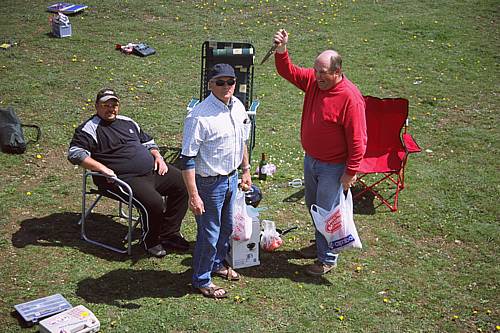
point(308, 252)
point(319, 268)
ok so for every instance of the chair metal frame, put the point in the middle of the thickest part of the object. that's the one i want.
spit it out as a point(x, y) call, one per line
point(394, 176)
point(241, 55)
point(132, 221)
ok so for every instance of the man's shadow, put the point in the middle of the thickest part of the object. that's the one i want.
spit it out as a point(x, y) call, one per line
point(63, 230)
point(277, 265)
point(121, 286)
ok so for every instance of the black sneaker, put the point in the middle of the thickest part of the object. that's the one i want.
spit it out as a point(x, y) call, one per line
point(175, 242)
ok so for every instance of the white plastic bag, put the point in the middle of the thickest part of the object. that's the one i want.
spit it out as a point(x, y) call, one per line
point(242, 223)
point(337, 225)
point(271, 239)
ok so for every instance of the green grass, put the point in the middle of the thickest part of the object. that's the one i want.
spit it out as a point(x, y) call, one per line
point(430, 267)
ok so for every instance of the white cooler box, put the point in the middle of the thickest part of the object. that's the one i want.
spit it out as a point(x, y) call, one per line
point(246, 253)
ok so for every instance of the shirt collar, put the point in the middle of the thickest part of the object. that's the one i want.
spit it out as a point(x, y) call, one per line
point(216, 100)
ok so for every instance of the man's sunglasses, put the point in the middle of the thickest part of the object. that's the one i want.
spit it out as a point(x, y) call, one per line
point(229, 82)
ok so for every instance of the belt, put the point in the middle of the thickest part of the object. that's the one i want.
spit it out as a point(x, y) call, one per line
point(228, 175)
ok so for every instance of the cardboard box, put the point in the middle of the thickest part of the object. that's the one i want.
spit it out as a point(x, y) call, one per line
point(246, 253)
point(60, 30)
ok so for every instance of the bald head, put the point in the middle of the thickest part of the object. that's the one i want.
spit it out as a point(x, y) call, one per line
point(328, 69)
point(330, 59)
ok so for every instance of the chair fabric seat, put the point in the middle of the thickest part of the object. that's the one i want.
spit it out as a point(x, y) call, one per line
point(382, 162)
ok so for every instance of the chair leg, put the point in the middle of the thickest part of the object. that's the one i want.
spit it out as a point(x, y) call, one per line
point(85, 213)
point(371, 188)
point(131, 221)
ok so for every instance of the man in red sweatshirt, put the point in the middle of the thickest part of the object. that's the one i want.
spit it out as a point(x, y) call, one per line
point(333, 135)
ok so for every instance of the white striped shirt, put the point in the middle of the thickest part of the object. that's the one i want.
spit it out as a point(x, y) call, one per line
point(216, 135)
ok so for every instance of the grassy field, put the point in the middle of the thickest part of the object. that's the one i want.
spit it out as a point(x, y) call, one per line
point(430, 267)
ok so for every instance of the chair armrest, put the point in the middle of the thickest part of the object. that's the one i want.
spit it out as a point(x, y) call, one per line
point(252, 111)
point(410, 144)
point(192, 103)
point(116, 180)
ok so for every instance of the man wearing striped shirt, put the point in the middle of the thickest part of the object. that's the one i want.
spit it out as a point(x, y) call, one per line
point(213, 147)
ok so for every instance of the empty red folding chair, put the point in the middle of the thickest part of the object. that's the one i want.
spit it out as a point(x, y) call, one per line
point(383, 166)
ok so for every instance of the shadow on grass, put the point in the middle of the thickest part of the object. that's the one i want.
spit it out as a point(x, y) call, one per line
point(364, 204)
point(62, 230)
point(277, 265)
point(121, 286)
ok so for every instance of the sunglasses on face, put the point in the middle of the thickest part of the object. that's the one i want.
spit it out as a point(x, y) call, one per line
point(229, 82)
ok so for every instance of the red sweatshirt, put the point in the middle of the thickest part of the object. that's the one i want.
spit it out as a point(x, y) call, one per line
point(333, 127)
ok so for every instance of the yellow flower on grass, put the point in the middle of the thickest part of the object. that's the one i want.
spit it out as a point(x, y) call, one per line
point(386, 300)
point(341, 318)
point(39, 156)
point(28, 193)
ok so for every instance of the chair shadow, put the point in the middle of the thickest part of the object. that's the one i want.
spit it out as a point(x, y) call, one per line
point(62, 230)
point(295, 197)
point(120, 287)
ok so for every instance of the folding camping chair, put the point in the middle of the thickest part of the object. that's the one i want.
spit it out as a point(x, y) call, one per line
point(241, 56)
point(132, 222)
point(387, 151)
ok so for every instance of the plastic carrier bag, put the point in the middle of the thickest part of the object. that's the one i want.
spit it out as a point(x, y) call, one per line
point(271, 239)
point(11, 132)
point(337, 225)
point(242, 222)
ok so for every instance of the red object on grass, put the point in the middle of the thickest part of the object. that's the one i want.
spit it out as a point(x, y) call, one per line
point(387, 149)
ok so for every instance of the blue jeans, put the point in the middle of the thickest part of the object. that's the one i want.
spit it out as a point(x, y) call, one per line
point(322, 187)
point(214, 226)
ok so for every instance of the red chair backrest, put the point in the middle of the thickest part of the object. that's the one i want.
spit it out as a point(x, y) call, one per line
point(385, 119)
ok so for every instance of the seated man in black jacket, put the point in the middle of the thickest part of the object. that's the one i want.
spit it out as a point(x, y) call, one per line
point(115, 145)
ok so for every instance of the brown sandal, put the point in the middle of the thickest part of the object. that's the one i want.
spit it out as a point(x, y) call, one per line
point(228, 274)
point(210, 292)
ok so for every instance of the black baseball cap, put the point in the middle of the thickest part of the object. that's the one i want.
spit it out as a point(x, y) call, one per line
point(106, 94)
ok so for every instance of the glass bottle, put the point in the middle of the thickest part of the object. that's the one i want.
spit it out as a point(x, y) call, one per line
point(262, 164)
